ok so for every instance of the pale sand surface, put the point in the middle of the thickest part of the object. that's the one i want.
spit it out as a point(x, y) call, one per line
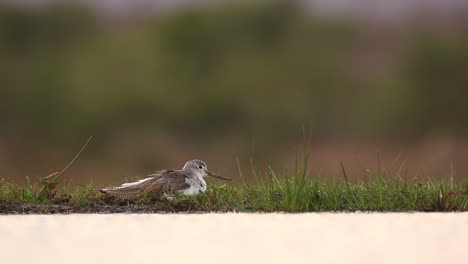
point(236, 238)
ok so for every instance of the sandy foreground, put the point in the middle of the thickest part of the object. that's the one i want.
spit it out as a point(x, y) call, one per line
point(236, 238)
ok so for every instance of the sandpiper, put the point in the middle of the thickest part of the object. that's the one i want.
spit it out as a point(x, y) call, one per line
point(189, 181)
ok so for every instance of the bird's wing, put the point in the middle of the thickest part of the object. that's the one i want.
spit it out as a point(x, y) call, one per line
point(167, 181)
point(155, 185)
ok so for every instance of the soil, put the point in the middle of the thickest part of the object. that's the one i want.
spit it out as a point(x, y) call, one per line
point(99, 206)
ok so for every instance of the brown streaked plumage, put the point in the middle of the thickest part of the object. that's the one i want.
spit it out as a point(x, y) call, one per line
point(189, 180)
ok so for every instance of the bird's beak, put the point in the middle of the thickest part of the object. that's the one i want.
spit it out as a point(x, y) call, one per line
point(209, 173)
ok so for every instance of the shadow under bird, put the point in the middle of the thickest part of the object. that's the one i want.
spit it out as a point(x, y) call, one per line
point(189, 181)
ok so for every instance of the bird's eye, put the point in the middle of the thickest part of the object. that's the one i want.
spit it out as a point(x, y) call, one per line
point(200, 167)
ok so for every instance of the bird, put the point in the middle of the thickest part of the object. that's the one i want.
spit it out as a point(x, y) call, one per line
point(188, 181)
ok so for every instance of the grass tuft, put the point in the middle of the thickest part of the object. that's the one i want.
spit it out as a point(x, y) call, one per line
point(296, 192)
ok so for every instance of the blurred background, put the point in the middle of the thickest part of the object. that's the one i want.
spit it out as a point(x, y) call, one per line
point(159, 82)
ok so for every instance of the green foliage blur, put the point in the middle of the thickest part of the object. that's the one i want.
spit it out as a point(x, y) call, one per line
point(260, 70)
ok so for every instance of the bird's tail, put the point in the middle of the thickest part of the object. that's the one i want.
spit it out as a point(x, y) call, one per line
point(127, 191)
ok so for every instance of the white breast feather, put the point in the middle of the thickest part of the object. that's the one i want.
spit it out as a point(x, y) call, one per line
point(197, 185)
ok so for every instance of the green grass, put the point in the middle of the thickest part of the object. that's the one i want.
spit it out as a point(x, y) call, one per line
point(296, 192)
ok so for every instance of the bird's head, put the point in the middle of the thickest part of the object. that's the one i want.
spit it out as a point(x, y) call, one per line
point(199, 167)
